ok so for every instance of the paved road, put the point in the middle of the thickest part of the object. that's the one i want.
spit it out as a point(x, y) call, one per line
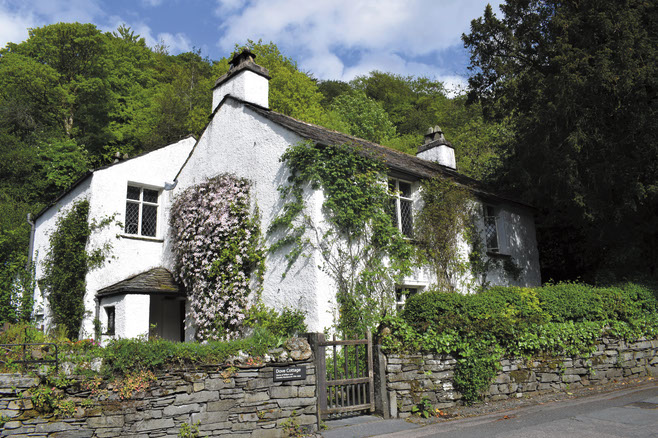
point(628, 413)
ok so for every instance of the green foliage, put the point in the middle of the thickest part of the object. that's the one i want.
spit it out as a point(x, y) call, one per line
point(123, 356)
point(479, 329)
point(66, 267)
point(284, 324)
point(16, 279)
point(62, 161)
point(361, 234)
point(423, 409)
point(188, 430)
point(439, 228)
point(577, 82)
point(478, 362)
point(363, 117)
point(67, 263)
point(408, 101)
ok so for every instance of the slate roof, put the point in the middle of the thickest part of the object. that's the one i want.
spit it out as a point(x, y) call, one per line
point(156, 280)
point(396, 160)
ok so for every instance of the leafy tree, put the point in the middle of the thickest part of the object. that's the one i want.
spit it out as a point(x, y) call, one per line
point(30, 97)
point(16, 277)
point(62, 162)
point(409, 101)
point(332, 89)
point(363, 117)
point(77, 52)
point(579, 81)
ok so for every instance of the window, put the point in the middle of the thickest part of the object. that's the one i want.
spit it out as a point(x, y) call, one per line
point(109, 312)
point(491, 229)
point(141, 211)
point(402, 293)
point(401, 205)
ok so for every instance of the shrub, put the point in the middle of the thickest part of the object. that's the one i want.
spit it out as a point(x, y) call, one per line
point(287, 323)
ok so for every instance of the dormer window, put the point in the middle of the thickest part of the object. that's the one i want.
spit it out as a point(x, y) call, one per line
point(401, 206)
point(141, 211)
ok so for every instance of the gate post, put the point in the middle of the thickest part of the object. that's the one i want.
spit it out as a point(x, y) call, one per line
point(319, 350)
point(381, 394)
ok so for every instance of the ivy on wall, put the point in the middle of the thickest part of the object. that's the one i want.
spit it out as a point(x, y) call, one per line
point(444, 222)
point(363, 252)
point(217, 249)
point(67, 263)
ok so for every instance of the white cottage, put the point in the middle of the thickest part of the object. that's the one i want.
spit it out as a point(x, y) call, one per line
point(135, 289)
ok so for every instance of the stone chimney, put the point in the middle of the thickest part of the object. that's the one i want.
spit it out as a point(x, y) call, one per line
point(436, 148)
point(245, 80)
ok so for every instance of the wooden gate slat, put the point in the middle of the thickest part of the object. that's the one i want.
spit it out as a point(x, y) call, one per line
point(345, 390)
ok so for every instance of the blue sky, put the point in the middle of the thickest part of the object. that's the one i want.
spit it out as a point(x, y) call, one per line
point(333, 39)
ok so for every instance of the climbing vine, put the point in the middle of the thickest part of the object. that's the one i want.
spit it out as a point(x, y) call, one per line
point(362, 251)
point(217, 249)
point(67, 263)
point(444, 222)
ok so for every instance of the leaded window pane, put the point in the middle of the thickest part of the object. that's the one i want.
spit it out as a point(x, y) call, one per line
point(133, 193)
point(132, 218)
point(151, 196)
point(405, 189)
point(393, 211)
point(149, 220)
point(491, 233)
point(406, 219)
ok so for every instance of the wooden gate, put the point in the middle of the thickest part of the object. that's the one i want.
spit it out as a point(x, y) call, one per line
point(344, 376)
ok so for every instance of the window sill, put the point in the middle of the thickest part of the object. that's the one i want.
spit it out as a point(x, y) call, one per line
point(144, 238)
point(498, 255)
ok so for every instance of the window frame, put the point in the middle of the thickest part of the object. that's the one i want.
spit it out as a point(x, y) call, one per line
point(396, 195)
point(110, 316)
point(140, 210)
point(403, 292)
point(493, 213)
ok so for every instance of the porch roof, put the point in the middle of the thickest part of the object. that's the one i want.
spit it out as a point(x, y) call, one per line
point(154, 281)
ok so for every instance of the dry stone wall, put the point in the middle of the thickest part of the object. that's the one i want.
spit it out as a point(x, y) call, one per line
point(409, 378)
point(237, 402)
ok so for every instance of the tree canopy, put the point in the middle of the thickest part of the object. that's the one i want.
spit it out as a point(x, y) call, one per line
point(577, 81)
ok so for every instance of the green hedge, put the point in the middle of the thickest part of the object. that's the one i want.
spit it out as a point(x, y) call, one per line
point(503, 312)
point(479, 329)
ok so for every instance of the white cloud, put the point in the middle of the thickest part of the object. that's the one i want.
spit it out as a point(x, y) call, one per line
point(175, 43)
point(13, 26)
point(17, 16)
point(151, 3)
point(382, 35)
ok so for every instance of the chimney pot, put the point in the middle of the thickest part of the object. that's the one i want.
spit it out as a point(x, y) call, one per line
point(245, 80)
point(436, 148)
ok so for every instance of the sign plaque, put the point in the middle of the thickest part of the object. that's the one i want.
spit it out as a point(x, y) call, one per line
point(296, 372)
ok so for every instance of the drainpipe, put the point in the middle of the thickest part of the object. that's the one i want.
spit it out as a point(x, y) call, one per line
point(31, 247)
